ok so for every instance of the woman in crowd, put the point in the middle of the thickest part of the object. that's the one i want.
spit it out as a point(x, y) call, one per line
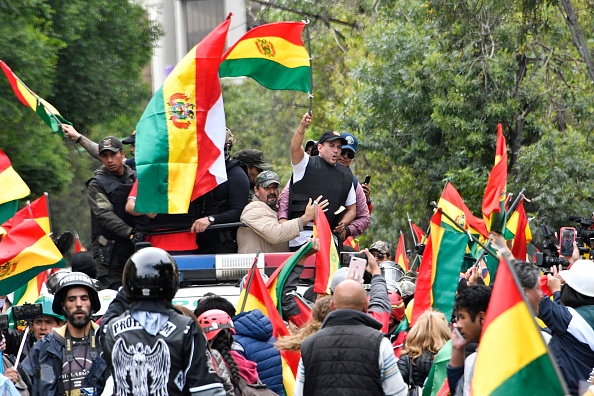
point(320, 310)
point(424, 340)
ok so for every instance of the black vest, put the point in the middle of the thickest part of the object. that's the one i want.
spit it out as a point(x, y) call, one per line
point(342, 358)
point(117, 193)
point(321, 178)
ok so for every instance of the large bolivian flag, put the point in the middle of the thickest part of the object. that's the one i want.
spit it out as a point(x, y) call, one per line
point(180, 138)
point(13, 188)
point(273, 55)
point(46, 111)
point(257, 297)
point(24, 252)
point(520, 365)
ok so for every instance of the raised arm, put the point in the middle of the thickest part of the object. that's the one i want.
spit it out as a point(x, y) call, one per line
point(89, 145)
point(297, 152)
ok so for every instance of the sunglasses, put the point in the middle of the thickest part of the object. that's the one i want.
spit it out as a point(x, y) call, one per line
point(379, 256)
point(348, 153)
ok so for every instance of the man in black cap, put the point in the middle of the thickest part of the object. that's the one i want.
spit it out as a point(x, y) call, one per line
point(113, 236)
point(320, 175)
point(131, 140)
point(252, 162)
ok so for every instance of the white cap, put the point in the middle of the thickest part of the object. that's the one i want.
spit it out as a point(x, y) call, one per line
point(580, 277)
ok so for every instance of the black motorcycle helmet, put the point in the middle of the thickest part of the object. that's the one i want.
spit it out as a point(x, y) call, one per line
point(62, 281)
point(151, 274)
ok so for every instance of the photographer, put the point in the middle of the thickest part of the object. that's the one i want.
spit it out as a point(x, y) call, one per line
point(40, 327)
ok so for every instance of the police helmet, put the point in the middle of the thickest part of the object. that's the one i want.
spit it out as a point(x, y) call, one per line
point(151, 273)
point(67, 280)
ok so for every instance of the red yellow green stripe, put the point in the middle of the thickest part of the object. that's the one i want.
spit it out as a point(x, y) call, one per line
point(13, 187)
point(327, 260)
point(44, 110)
point(24, 252)
point(493, 206)
point(273, 55)
point(522, 362)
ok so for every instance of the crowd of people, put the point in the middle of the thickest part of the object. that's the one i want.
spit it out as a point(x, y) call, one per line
point(358, 340)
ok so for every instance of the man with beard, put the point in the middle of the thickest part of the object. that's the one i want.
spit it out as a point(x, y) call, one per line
point(263, 231)
point(68, 360)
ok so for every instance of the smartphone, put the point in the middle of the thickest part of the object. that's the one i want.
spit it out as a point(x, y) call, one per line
point(367, 179)
point(568, 235)
point(457, 331)
point(357, 269)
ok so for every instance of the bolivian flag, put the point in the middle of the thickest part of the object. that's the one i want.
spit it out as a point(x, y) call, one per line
point(46, 111)
point(13, 188)
point(180, 137)
point(401, 258)
point(327, 260)
point(277, 280)
point(495, 193)
point(520, 365)
point(257, 297)
point(24, 252)
point(517, 228)
point(37, 210)
point(273, 55)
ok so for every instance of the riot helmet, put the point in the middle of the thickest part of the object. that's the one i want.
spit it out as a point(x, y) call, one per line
point(151, 274)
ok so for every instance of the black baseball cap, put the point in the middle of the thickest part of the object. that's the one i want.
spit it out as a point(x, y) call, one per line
point(330, 136)
point(110, 143)
point(130, 139)
point(252, 157)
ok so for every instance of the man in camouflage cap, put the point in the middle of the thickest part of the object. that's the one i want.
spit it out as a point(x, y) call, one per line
point(381, 251)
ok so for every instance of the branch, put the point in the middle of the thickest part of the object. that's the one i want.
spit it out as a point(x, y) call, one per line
point(309, 14)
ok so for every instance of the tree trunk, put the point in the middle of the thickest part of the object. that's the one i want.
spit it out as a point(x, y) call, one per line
point(578, 36)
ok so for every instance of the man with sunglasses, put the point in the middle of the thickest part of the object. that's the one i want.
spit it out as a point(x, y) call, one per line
point(362, 218)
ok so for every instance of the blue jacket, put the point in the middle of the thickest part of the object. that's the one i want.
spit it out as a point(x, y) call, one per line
point(572, 343)
point(44, 364)
point(254, 334)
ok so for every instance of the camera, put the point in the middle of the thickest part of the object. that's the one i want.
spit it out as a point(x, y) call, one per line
point(27, 312)
point(585, 235)
point(550, 252)
point(3, 322)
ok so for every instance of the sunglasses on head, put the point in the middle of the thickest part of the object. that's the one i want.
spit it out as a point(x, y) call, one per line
point(348, 153)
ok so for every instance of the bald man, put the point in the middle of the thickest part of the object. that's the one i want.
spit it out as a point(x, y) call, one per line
point(349, 355)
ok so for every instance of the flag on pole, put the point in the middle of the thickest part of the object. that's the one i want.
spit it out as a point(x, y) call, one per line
point(180, 138)
point(46, 111)
point(401, 258)
point(257, 297)
point(327, 260)
point(419, 233)
point(517, 228)
point(521, 365)
point(13, 188)
point(273, 55)
point(24, 252)
point(277, 280)
point(495, 193)
point(30, 292)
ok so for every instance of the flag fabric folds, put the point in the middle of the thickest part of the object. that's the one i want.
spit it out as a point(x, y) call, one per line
point(37, 210)
point(24, 252)
point(273, 55)
point(327, 260)
point(180, 137)
point(401, 258)
point(517, 228)
point(13, 188)
point(30, 292)
point(495, 193)
point(257, 297)
point(419, 234)
point(277, 280)
point(521, 365)
point(46, 111)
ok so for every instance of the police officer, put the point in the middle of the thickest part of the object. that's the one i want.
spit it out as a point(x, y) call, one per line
point(113, 236)
point(68, 360)
point(152, 349)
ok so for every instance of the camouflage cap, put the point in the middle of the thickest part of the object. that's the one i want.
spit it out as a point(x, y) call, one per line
point(266, 178)
point(380, 246)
